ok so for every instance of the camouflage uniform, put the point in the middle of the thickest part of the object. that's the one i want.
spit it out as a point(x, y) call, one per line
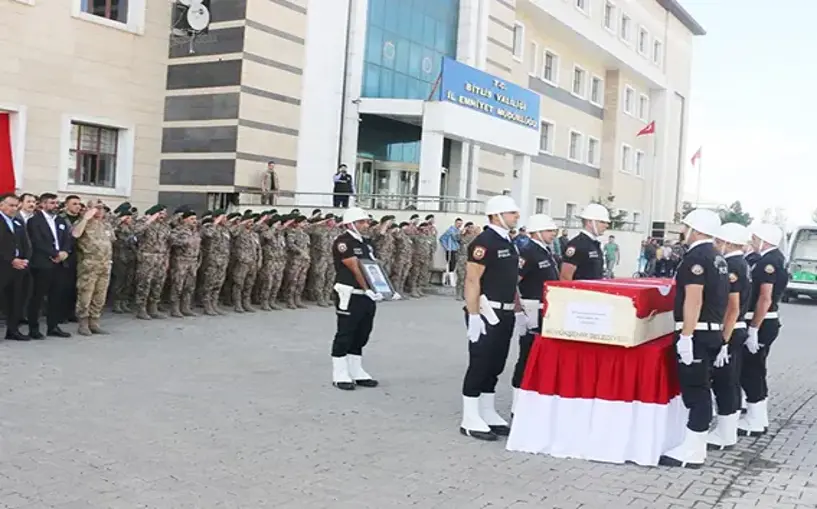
point(297, 242)
point(320, 247)
point(124, 267)
point(185, 245)
point(402, 260)
point(430, 245)
point(462, 259)
point(383, 243)
point(245, 250)
point(151, 266)
point(94, 257)
point(328, 291)
point(278, 260)
point(419, 262)
point(215, 249)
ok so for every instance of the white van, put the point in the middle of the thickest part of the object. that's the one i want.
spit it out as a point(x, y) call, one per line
point(802, 258)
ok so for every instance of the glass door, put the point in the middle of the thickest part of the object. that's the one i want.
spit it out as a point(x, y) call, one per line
point(364, 182)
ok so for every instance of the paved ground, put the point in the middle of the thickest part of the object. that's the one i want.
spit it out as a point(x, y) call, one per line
point(236, 412)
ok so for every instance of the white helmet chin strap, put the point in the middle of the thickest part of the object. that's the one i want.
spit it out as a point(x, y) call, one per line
point(594, 227)
point(502, 221)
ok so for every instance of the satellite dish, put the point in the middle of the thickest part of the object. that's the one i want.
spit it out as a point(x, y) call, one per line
point(198, 17)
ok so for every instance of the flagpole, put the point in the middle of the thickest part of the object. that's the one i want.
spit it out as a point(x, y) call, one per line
point(653, 180)
point(700, 162)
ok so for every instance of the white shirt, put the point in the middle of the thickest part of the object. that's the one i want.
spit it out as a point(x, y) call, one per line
point(700, 242)
point(734, 253)
point(592, 237)
point(25, 216)
point(501, 231)
point(52, 225)
point(541, 244)
point(768, 250)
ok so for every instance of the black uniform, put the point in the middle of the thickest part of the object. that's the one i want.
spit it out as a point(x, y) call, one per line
point(740, 282)
point(585, 253)
point(751, 258)
point(770, 268)
point(702, 265)
point(536, 265)
point(486, 357)
point(356, 321)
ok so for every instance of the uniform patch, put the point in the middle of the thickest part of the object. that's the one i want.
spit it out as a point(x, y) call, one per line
point(479, 253)
point(570, 251)
point(697, 270)
point(769, 269)
point(733, 278)
point(342, 248)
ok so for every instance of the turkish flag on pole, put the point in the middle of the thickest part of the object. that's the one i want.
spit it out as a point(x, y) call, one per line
point(696, 156)
point(7, 182)
point(648, 129)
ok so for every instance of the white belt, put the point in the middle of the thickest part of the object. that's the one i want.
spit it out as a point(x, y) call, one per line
point(532, 303)
point(701, 326)
point(503, 306)
point(769, 316)
point(739, 325)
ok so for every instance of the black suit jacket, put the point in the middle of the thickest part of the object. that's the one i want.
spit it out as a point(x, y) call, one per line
point(10, 244)
point(42, 240)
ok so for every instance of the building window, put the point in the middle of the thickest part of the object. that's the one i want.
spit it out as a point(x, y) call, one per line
point(574, 151)
point(546, 137)
point(116, 10)
point(657, 52)
point(643, 40)
point(643, 107)
point(550, 68)
point(596, 91)
point(636, 221)
point(583, 5)
point(639, 163)
point(570, 214)
point(629, 99)
point(518, 40)
point(625, 27)
point(542, 206)
point(533, 63)
point(626, 158)
point(610, 16)
point(579, 81)
point(92, 156)
point(593, 145)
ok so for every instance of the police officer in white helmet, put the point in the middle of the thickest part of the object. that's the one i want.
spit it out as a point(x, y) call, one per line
point(583, 258)
point(354, 303)
point(493, 315)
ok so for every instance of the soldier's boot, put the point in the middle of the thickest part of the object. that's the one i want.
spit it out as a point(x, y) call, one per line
point(142, 313)
point(210, 307)
point(291, 302)
point(93, 325)
point(83, 329)
point(274, 305)
point(117, 307)
point(237, 303)
point(247, 305)
point(126, 307)
point(187, 310)
point(175, 312)
point(153, 311)
point(299, 303)
point(265, 306)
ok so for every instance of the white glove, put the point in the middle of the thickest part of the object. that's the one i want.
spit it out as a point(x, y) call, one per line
point(684, 349)
point(476, 328)
point(376, 297)
point(723, 357)
point(396, 296)
point(751, 342)
point(520, 326)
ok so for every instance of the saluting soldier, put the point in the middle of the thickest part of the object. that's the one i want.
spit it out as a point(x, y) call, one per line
point(94, 240)
point(702, 292)
point(583, 257)
point(726, 375)
point(493, 313)
point(769, 281)
point(536, 265)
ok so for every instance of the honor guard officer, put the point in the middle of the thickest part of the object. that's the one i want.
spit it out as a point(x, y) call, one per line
point(536, 265)
point(494, 314)
point(769, 281)
point(726, 376)
point(354, 303)
point(583, 258)
point(702, 292)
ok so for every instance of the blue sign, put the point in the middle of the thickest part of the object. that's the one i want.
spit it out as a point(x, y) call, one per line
point(472, 88)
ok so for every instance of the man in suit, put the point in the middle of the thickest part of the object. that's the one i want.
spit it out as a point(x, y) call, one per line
point(15, 252)
point(74, 208)
point(51, 244)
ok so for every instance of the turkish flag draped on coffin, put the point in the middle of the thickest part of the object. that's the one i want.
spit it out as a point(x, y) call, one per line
point(7, 182)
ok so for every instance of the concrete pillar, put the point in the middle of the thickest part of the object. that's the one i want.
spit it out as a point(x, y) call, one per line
point(354, 83)
point(660, 182)
point(521, 184)
point(431, 164)
point(473, 179)
point(467, 31)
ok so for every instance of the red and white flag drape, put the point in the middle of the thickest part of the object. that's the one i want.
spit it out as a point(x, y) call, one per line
point(7, 180)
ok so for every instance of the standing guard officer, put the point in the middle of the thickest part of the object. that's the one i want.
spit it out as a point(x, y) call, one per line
point(355, 303)
point(769, 281)
point(702, 291)
point(582, 258)
point(730, 241)
point(536, 265)
point(494, 314)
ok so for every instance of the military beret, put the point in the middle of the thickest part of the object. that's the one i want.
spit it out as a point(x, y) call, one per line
point(181, 209)
point(393, 226)
point(423, 224)
point(329, 216)
point(404, 223)
point(316, 212)
point(233, 215)
point(414, 216)
point(155, 209)
point(247, 211)
point(296, 212)
point(272, 219)
point(207, 220)
point(134, 210)
point(188, 213)
point(386, 218)
point(430, 216)
point(300, 219)
point(273, 211)
point(469, 223)
point(218, 212)
point(122, 207)
point(313, 220)
point(207, 213)
point(125, 213)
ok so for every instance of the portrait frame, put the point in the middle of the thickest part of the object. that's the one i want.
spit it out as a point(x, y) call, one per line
point(377, 278)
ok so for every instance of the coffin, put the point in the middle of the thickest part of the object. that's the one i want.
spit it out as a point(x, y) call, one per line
point(620, 312)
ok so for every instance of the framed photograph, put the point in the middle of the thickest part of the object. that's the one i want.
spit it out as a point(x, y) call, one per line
point(376, 277)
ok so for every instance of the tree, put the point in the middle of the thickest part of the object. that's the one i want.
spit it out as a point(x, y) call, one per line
point(617, 217)
point(734, 214)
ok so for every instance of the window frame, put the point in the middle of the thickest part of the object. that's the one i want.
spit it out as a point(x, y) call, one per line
point(79, 152)
point(534, 47)
point(557, 62)
point(521, 56)
point(636, 224)
point(585, 74)
point(588, 162)
point(551, 150)
point(639, 172)
point(580, 148)
point(624, 100)
point(546, 200)
point(586, 10)
point(659, 58)
point(568, 217)
point(600, 102)
point(18, 121)
point(643, 30)
point(646, 102)
point(125, 155)
point(613, 28)
point(629, 167)
point(134, 25)
point(628, 38)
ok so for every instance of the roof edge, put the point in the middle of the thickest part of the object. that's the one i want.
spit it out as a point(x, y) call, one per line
point(677, 10)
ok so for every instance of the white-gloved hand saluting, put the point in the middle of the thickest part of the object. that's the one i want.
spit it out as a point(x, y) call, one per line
point(752, 342)
point(476, 328)
point(723, 357)
point(684, 349)
point(520, 326)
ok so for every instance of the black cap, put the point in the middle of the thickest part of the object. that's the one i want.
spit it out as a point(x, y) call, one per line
point(181, 209)
point(188, 213)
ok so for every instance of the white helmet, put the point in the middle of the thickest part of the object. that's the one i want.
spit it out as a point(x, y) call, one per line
point(595, 212)
point(769, 233)
point(734, 233)
point(500, 204)
point(540, 223)
point(354, 214)
point(703, 221)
